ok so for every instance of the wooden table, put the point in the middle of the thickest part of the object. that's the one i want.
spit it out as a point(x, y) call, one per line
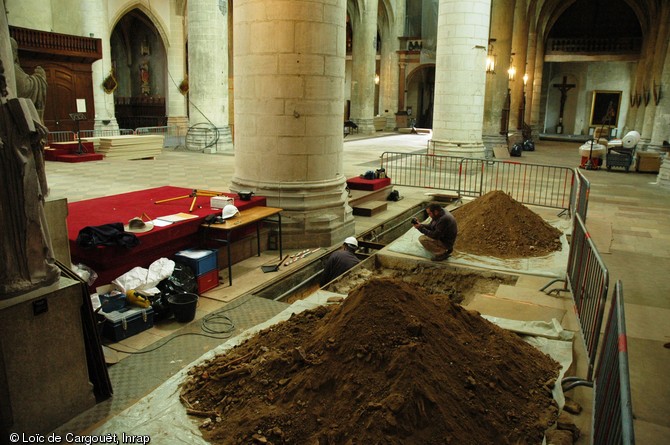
point(254, 215)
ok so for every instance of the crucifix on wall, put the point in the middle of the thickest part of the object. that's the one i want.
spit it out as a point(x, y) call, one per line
point(563, 88)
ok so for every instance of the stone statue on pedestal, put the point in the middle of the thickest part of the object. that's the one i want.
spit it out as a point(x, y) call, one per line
point(25, 246)
point(33, 87)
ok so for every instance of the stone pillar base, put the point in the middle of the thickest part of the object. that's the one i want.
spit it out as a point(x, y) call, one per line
point(663, 177)
point(181, 122)
point(209, 140)
point(492, 140)
point(365, 126)
point(457, 149)
point(315, 214)
point(106, 125)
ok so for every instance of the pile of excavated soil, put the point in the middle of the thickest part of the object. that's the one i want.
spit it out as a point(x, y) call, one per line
point(390, 365)
point(496, 225)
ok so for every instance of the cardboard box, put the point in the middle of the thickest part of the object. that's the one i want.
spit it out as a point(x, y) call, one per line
point(647, 162)
point(219, 202)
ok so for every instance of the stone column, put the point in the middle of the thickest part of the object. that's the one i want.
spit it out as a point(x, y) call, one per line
point(460, 77)
point(496, 84)
point(537, 79)
point(661, 128)
point(95, 23)
point(176, 62)
point(289, 91)
point(519, 48)
point(364, 53)
point(208, 80)
point(388, 83)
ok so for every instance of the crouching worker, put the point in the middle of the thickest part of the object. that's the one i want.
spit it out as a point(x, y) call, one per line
point(438, 237)
point(341, 260)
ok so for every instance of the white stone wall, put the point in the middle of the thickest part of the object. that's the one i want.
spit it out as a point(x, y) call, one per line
point(32, 14)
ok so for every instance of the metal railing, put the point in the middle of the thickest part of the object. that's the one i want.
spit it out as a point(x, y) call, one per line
point(61, 136)
point(581, 199)
point(587, 278)
point(173, 135)
point(612, 407)
point(422, 170)
point(103, 133)
point(531, 184)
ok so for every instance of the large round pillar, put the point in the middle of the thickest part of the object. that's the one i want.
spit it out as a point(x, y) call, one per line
point(289, 91)
point(364, 54)
point(502, 18)
point(176, 60)
point(460, 77)
point(95, 23)
point(208, 68)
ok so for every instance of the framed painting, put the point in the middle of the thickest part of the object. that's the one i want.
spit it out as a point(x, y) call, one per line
point(605, 108)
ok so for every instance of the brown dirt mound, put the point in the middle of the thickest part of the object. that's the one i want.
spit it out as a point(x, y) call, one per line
point(496, 225)
point(391, 365)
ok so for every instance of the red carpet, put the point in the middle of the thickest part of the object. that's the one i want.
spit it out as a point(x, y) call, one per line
point(359, 183)
point(111, 262)
point(67, 152)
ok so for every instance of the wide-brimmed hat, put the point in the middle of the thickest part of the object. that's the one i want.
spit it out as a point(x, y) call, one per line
point(229, 211)
point(138, 225)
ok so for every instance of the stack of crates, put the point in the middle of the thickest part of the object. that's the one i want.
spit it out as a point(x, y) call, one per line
point(203, 262)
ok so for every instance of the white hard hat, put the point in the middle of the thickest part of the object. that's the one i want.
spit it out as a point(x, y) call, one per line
point(229, 211)
point(351, 241)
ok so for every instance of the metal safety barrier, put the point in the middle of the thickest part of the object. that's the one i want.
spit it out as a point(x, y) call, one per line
point(422, 170)
point(61, 136)
point(531, 184)
point(173, 136)
point(612, 407)
point(103, 133)
point(587, 278)
point(581, 198)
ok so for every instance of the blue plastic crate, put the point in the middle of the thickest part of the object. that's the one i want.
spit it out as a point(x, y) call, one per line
point(200, 260)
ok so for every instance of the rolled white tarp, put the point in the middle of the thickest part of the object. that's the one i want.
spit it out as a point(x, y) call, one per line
point(631, 139)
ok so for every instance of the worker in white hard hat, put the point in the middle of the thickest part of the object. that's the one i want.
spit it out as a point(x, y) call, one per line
point(341, 260)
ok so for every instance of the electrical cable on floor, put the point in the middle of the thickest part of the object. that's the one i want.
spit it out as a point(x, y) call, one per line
point(214, 323)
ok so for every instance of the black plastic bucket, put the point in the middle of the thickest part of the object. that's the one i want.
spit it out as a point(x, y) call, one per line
point(183, 306)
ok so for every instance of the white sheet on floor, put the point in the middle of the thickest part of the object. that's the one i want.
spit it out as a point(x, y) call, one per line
point(553, 265)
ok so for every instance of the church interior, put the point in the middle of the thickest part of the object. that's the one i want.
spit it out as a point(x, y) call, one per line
point(317, 121)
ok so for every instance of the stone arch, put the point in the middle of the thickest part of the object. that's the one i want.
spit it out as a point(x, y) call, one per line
point(160, 26)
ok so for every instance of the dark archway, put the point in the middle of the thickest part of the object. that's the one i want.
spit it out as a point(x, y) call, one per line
point(421, 95)
point(139, 62)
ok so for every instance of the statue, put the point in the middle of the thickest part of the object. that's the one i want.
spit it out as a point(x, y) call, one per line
point(33, 87)
point(25, 246)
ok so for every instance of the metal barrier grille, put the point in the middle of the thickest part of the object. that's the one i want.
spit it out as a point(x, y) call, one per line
point(172, 136)
point(612, 409)
point(61, 136)
point(581, 199)
point(103, 133)
point(588, 280)
point(421, 170)
point(533, 184)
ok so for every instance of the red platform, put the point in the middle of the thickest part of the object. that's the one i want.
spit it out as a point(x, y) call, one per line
point(109, 262)
point(359, 183)
point(67, 152)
